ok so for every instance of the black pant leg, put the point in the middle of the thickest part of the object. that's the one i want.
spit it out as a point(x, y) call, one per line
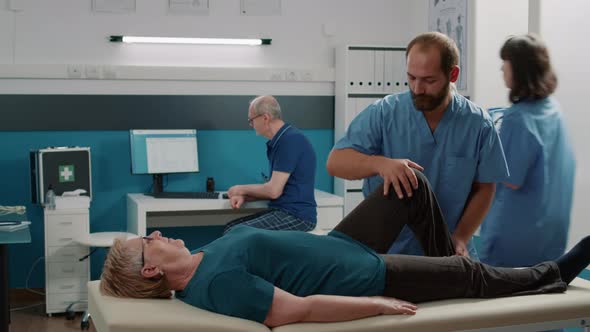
point(419, 279)
point(378, 220)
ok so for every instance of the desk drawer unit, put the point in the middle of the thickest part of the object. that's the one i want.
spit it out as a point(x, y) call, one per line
point(65, 254)
point(58, 302)
point(67, 285)
point(65, 275)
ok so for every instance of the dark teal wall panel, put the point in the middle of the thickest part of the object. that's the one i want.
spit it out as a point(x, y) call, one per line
point(120, 112)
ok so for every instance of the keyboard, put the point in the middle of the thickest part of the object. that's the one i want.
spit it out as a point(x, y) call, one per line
point(194, 195)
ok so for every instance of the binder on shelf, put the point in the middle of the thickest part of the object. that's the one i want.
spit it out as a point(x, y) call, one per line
point(388, 71)
point(355, 59)
point(367, 71)
point(396, 59)
point(401, 72)
point(379, 72)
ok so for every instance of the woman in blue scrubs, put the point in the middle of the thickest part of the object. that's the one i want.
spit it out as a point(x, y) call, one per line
point(530, 216)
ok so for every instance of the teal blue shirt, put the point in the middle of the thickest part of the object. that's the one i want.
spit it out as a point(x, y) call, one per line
point(463, 149)
point(530, 225)
point(238, 272)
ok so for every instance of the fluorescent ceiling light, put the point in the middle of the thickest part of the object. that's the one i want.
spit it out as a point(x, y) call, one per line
point(179, 40)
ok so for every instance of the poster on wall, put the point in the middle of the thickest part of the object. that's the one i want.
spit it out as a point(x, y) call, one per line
point(450, 17)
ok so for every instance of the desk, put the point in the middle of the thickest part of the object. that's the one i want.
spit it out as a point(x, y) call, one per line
point(6, 238)
point(145, 211)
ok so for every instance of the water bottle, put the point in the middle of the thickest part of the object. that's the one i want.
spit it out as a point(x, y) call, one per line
point(210, 185)
point(50, 198)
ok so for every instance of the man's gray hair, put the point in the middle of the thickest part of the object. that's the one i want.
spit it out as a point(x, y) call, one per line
point(266, 105)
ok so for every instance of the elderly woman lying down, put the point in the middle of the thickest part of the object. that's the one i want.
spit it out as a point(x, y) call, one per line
point(282, 277)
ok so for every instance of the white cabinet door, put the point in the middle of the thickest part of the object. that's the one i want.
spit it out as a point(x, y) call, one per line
point(351, 200)
point(329, 217)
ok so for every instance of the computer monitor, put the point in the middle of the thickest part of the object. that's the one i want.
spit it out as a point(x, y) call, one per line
point(160, 152)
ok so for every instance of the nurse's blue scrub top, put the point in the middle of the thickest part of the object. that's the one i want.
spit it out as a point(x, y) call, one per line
point(463, 149)
point(530, 225)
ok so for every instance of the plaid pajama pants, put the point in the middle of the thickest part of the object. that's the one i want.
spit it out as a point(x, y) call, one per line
point(274, 219)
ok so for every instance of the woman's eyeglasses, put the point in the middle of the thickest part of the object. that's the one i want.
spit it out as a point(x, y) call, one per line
point(148, 239)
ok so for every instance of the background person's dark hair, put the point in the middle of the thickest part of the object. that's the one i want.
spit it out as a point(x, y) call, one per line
point(532, 75)
point(449, 53)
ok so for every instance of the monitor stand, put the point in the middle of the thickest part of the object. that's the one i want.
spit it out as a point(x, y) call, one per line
point(158, 183)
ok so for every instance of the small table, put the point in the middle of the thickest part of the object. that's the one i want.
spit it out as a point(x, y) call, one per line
point(103, 239)
point(19, 236)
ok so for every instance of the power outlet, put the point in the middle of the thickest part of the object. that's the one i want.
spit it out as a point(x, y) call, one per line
point(92, 72)
point(75, 71)
point(188, 7)
point(306, 76)
point(277, 76)
point(109, 73)
point(291, 76)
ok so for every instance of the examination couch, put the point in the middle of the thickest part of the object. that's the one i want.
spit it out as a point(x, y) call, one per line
point(523, 313)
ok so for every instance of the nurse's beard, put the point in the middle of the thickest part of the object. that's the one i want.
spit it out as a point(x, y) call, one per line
point(427, 103)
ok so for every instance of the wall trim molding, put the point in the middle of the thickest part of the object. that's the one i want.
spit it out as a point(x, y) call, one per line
point(185, 73)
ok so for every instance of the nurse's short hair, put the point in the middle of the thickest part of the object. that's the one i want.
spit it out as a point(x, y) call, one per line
point(532, 74)
point(121, 275)
point(266, 105)
point(449, 53)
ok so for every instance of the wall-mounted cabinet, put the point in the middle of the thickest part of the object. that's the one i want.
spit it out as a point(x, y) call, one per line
point(363, 75)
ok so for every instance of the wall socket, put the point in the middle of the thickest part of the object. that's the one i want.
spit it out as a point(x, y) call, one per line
point(306, 76)
point(277, 76)
point(92, 72)
point(292, 75)
point(75, 71)
point(109, 73)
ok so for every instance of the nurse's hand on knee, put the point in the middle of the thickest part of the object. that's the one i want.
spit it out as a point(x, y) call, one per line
point(399, 174)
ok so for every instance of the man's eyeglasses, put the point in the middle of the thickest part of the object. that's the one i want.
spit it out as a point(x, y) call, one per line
point(148, 239)
point(250, 120)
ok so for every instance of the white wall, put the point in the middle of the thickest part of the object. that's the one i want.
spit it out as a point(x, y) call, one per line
point(65, 32)
point(61, 31)
point(564, 26)
point(6, 27)
point(494, 21)
point(417, 16)
point(45, 36)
